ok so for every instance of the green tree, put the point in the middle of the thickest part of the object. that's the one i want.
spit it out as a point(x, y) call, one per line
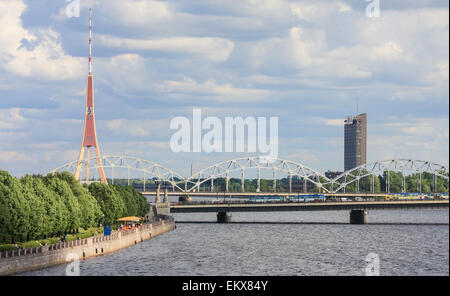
point(37, 216)
point(56, 214)
point(110, 202)
point(72, 207)
point(395, 181)
point(365, 183)
point(14, 209)
point(89, 207)
point(131, 205)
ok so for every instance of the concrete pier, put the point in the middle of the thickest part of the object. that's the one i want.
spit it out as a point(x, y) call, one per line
point(158, 190)
point(166, 196)
point(359, 217)
point(223, 217)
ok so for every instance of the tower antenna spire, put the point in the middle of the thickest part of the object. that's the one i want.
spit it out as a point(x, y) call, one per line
point(90, 40)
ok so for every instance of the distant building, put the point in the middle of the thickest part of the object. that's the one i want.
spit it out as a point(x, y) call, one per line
point(332, 175)
point(355, 141)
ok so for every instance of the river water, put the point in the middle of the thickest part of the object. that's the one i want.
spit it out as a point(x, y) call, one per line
point(302, 248)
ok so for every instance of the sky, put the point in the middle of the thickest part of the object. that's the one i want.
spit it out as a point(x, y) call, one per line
point(305, 62)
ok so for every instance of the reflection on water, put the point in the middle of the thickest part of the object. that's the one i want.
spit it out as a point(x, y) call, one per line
point(285, 249)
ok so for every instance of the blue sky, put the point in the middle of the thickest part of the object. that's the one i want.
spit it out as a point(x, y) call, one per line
point(306, 62)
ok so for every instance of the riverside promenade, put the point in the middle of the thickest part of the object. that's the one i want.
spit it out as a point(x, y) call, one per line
point(22, 260)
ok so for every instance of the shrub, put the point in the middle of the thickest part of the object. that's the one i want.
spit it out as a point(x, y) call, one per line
point(7, 247)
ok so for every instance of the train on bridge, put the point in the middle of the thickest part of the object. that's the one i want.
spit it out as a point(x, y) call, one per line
point(416, 196)
point(323, 197)
point(292, 198)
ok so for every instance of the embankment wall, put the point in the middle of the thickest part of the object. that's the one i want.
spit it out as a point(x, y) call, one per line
point(12, 262)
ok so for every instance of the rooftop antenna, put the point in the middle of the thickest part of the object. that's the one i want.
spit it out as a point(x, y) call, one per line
point(357, 105)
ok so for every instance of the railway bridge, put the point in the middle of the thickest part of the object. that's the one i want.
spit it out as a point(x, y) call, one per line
point(358, 209)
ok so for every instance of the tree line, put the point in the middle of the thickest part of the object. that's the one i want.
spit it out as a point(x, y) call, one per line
point(37, 207)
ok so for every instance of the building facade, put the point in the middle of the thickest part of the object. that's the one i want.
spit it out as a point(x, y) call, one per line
point(355, 141)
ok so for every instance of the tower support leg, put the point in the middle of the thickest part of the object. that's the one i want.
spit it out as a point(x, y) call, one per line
point(100, 166)
point(80, 158)
point(87, 164)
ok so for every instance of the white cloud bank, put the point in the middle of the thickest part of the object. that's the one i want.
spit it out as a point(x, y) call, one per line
point(33, 54)
point(212, 49)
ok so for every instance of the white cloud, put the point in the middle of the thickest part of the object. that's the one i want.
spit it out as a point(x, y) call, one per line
point(388, 51)
point(212, 49)
point(138, 12)
point(33, 54)
point(334, 122)
point(306, 51)
point(310, 11)
point(416, 138)
point(7, 157)
point(435, 128)
point(210, 89)
point(127, 62)
point(11, 119)
point(128, 127)
point(138, 128)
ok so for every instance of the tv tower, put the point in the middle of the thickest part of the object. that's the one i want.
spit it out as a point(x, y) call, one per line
point(89, 134)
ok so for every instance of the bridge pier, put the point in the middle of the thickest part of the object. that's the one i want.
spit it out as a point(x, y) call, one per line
point(359, 217)
point(158, 189)
point(166, 196)
point(223, 217)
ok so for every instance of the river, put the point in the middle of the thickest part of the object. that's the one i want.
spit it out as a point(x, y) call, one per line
point(417, 246)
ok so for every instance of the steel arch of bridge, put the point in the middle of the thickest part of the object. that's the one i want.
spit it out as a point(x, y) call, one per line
point(148, 168)
point(290, 168)
point(225, 168)
point(376, 168)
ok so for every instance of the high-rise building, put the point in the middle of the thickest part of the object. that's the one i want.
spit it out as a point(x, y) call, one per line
point(355, 141)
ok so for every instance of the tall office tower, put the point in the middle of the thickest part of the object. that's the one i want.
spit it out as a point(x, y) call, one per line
point(355, 145)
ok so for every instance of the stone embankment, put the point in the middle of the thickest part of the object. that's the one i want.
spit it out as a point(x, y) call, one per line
point(23, 260)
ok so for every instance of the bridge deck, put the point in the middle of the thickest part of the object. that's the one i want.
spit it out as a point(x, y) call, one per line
point(248, 194)
point(319, 206)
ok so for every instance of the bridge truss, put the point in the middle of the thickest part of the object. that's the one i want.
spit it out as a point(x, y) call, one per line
point(377, 168)
point(113, 163)
point(242, 165)
point(245, 166)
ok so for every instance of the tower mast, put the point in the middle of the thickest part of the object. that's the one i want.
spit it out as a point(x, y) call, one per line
point(90, 134)
point(90, 41)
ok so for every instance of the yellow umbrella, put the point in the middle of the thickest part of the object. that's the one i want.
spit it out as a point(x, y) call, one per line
point(129, 219)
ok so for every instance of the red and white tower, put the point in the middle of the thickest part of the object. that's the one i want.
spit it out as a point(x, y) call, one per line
point(89, 134)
